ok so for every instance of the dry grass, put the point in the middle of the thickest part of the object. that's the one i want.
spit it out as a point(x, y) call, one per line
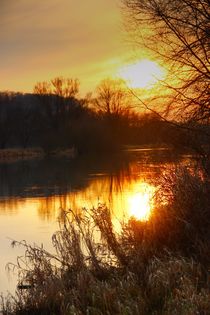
point(155, 267)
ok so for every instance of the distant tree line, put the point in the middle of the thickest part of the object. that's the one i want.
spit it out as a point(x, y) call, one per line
point(54, 117)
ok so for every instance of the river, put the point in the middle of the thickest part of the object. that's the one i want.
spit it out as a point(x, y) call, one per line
point(32, 194)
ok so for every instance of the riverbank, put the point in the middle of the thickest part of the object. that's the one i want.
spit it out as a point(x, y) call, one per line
point(16, 154)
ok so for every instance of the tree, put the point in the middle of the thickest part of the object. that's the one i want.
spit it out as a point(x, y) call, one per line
point(58, 97)
point(28, 123)
point(7, 118)
point(112, 99)
point(58, 86)
point(178, 33)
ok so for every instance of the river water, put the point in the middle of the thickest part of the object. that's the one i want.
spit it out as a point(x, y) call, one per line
point(32, 194)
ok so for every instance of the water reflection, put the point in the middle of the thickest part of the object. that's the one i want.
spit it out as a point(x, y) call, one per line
point(132, 198)
point(123, 183)
point(140, 203)
point(32, 194)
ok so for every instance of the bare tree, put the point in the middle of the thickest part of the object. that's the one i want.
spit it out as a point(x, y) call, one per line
point(112, 99)
point(7, 118)
point(66, 88)
point(58, 86)
point(178, 33)
point(57, 96)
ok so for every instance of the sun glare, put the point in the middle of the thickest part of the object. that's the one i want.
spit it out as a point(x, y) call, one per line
point(143, 74)
point(140, 203)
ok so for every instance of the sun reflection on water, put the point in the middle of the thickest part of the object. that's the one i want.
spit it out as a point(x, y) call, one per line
point(140, 203)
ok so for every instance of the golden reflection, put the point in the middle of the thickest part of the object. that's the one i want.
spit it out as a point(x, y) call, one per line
point(130, 196)
point(141, 202)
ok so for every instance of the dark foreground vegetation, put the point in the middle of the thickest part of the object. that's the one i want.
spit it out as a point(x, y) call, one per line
point(160, 266)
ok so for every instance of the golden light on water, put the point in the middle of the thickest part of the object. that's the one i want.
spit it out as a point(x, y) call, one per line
point(140, 203)
point(143, 74)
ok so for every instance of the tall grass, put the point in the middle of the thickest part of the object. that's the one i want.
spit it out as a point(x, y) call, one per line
point(160, 266)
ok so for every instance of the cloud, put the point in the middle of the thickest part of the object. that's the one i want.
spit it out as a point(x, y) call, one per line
point(39, 37)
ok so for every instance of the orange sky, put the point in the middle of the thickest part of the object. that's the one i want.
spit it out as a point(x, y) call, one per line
point(41, 39)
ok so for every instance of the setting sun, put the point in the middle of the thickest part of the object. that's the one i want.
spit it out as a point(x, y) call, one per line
point(143, 74)
point(140, 203)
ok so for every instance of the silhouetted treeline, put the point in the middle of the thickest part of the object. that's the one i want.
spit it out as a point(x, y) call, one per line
point(52, 121)
point(20, 120)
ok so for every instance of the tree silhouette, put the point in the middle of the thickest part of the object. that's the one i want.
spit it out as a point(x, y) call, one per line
point(112, 99)
point(7, 118)
point(178, 33)
point(58, 97)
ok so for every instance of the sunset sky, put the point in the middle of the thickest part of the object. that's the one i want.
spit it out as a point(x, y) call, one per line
point(76, 39)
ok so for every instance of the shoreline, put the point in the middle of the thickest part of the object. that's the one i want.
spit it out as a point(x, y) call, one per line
point(18, 154)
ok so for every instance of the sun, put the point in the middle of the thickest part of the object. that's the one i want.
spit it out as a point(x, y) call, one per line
point(143, 74)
